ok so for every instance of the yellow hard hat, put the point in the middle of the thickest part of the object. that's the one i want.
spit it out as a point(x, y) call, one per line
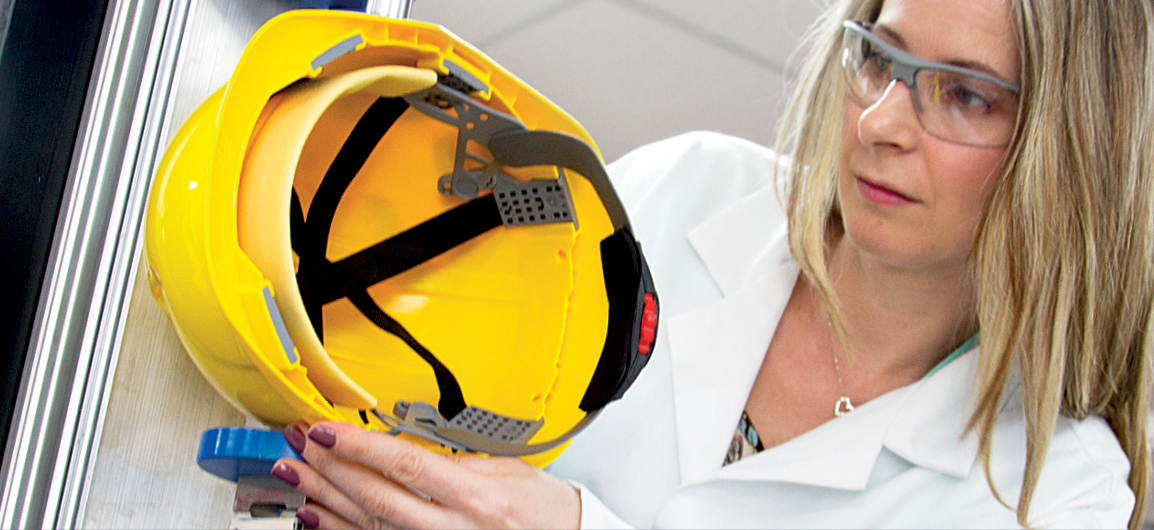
point(373, 222)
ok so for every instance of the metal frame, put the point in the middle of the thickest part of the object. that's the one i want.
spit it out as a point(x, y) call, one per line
point(5, 19)
point(389, 8)
point(77, 335)
point(87, 286)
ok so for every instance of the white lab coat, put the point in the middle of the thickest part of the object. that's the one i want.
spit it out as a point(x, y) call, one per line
point(713, 232)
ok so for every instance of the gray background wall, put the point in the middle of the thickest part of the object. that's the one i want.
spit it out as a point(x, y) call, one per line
point(635, 71)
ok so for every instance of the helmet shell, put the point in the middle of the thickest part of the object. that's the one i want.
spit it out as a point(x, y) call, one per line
point(518, 314)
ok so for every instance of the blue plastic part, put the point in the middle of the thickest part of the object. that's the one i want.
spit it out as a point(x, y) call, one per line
point(347, 5)
point(233, 452)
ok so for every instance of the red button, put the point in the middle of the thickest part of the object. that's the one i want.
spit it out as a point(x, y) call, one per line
point(648, 324)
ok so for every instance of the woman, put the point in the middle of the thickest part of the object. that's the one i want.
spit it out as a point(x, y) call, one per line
point(993, 185)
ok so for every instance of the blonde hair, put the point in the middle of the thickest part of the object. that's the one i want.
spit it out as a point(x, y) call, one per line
point(1062, 256)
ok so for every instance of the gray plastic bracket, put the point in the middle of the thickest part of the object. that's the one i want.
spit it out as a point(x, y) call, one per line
point(520, 203)
point(473, 122)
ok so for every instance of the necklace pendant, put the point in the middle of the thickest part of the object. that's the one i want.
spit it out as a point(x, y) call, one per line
point(842, 406)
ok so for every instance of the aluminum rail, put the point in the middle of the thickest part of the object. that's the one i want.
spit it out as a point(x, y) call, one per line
point(84, 299)
point(389, 8)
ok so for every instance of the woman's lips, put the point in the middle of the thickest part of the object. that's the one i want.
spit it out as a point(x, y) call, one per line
point(879, 194)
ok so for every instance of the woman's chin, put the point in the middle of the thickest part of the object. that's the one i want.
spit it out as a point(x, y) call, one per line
point(887, 246)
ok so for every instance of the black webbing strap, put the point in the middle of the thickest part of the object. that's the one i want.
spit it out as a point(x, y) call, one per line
point(321, 281)
point(406, 250)
point(451, 401)
point(315, 234)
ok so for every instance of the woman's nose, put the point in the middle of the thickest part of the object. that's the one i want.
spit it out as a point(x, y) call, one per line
point(892, 120)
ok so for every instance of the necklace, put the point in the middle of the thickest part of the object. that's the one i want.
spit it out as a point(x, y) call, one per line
point(843, 404)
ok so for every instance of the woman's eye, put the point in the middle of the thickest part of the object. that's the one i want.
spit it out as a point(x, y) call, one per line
point(969, 98)
point(950, 90)
point(879, 61)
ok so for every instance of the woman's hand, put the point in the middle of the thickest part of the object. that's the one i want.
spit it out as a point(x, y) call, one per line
point(354, 478)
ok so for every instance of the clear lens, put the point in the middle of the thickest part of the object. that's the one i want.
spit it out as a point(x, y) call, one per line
point(868, 71)
point(954, 106)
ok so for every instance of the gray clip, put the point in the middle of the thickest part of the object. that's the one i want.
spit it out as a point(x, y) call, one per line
point(337, 50)
point(418, 419)
point(460, 79)
point(419, 414)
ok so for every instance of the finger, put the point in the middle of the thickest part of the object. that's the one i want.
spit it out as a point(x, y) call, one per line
point(319, 489)
point(405, 463)
point(313, 515)
point(377, 497)
point(493, 465)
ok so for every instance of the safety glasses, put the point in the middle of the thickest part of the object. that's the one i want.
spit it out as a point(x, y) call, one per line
point(954, 104)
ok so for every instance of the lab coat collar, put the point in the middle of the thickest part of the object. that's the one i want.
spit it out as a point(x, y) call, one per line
point(735, 244)
point(717, 351)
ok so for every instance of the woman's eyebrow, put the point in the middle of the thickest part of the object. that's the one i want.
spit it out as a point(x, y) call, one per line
point(969, 64)
point(892, 35)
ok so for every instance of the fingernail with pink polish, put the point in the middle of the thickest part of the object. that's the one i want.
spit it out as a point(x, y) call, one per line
point(307, 518)
point(323, 436)
point(295, 436)
point(286, 474)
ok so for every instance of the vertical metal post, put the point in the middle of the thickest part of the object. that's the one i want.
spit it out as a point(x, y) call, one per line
point(5, 19)
point(83, 301)
point(389, 8)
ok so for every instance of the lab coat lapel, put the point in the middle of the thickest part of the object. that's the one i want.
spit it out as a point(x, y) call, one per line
point(923, 423)
point(930, 429)
point(717, 351)
point(840, 453)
